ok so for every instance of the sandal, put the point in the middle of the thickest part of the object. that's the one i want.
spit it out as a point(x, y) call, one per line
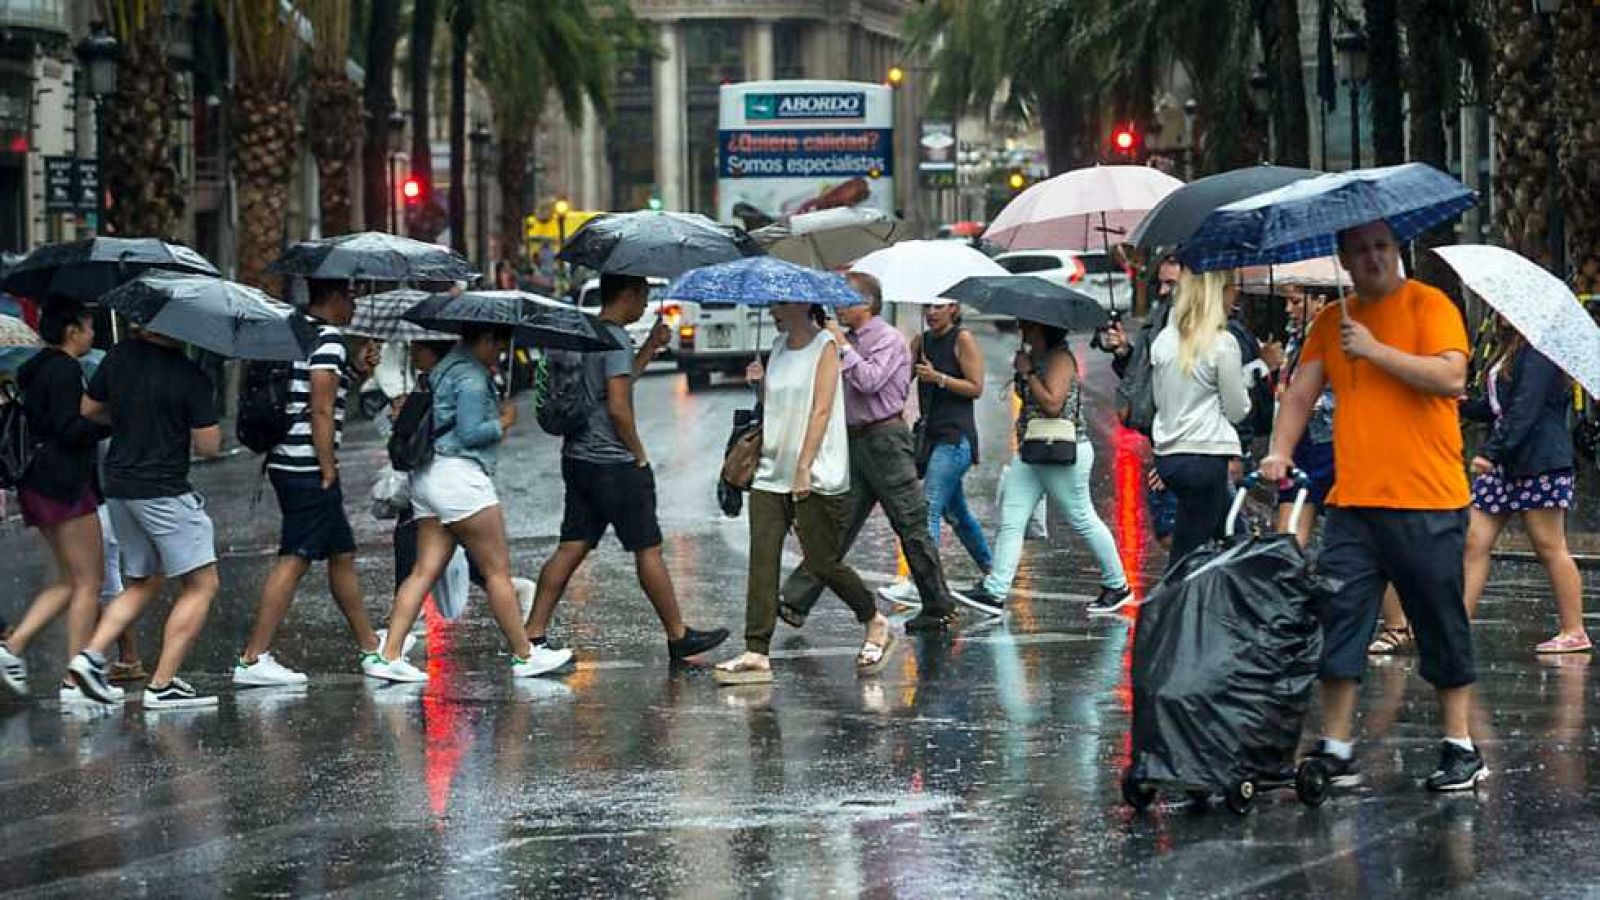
point(1566, 643)
point(1391, 640)
point(747, 668)
point(873, 657)
point(794, 618)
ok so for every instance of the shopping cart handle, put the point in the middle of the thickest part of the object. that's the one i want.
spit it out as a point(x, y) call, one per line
point(1299, 479)
point(1296, 477)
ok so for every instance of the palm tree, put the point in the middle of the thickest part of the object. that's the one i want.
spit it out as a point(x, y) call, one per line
point(1289, 116)
point(383, 33)
point(1519, 94)
point(1578, 105)
point(147, 191)
point(461, 16)
point(426, 217)
point(262, 40)
point(1384, 82)
point(333, 118)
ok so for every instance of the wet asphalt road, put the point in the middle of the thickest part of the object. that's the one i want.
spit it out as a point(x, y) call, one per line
point(981, 764)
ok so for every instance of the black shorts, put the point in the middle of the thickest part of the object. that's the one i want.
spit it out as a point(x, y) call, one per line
point(615, 495)
point(315, 526)
point(1420, 553)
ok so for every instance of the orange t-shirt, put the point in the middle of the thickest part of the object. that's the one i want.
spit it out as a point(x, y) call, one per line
point(1393, 447)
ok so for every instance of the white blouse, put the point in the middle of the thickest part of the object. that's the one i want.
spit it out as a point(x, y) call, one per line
point(790, 383)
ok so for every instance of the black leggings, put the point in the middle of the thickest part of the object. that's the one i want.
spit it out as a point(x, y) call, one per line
point(1200, 485)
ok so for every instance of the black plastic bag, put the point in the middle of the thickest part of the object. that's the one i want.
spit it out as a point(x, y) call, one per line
point(1224, 660)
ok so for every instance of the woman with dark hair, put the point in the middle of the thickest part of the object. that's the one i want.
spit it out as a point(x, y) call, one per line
point(1047, 383)
point(59, 493)
point(454, 501)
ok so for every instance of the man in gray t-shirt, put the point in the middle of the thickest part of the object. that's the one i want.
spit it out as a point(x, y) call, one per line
point(609, 482)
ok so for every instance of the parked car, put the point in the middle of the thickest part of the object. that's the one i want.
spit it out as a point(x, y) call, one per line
point(721, 337)
point(675, 313)
point(1090, 271)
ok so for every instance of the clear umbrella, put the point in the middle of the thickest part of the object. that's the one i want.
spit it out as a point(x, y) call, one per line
point(922, 271)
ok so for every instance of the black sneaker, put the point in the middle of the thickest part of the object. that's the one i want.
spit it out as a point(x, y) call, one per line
point(89, 673)
point(979, 598)
point(1110, 600)
point(1459, 770)
point(694, 643)
point(1341, 772)
point(176, 694)
point(930, 621)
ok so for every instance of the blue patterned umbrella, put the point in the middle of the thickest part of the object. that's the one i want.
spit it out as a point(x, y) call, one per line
point(1302, 220)
point(762, 281)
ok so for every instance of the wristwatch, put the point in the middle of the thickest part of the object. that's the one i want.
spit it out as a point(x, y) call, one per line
point(944, 381)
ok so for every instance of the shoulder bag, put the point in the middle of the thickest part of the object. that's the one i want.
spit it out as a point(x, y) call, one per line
point(1052, 440)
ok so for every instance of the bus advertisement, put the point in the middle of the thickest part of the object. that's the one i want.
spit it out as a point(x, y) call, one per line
point(786, 147)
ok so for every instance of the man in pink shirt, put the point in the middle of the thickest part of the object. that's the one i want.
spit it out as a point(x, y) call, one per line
point(875, 361)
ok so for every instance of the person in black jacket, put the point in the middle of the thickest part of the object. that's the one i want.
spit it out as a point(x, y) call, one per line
point(59, 493)
point(1525, 467)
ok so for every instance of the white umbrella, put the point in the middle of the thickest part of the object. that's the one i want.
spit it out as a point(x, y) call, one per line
point(1085, 209)
point(1536, 303)
point(830, 238)
point(921, 271)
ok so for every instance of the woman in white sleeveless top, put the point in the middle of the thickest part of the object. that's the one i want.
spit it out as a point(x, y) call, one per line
point(803, 481)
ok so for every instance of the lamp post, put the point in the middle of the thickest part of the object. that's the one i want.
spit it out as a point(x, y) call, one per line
point(99, 53)
point(559, 209)
point(1351, 45)
point(1556, 220)
point(1261, 94)
point(397, 133)
point(1191, 107)
point(480, 138)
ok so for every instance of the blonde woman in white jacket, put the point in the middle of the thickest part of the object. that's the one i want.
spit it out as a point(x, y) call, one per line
point(1199, 386)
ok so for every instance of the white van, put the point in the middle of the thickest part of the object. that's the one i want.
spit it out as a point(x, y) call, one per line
point(721, 337)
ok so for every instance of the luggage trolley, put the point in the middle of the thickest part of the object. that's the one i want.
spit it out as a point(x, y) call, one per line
point(1225, 660)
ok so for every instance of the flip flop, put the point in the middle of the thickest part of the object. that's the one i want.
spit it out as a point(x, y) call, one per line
point(874, 666)
point(741, 675)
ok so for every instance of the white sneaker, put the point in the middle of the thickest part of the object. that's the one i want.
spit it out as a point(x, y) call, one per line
point(406, 646)
point(71, 694)
point(525, 590)
point(13, 671)
point(903, 592)
point(265, 672)
point(399, 670)
point(541, 660)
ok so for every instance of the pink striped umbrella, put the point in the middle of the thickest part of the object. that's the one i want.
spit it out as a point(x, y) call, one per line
point(1085, 209)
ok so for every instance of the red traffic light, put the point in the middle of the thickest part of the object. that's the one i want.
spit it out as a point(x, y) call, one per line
point(1124, 139)
point(411, 189)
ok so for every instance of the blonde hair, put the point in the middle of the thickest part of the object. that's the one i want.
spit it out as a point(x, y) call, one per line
point(1200, 309)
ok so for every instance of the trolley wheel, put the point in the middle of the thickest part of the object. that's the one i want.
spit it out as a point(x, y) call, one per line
point(1199, 801)
point(1311, 782)
point(1241, 798)
point(1137, 794)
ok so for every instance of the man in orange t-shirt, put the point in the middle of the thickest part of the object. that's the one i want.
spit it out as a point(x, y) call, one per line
point(1395, 355)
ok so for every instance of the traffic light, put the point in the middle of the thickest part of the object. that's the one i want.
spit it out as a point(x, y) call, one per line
point(411, 189)
point(1017, 180)
point(896, 76)
point(655, 203)
point(1125, 141)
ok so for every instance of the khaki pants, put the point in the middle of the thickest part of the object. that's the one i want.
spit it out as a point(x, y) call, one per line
point(819, 522)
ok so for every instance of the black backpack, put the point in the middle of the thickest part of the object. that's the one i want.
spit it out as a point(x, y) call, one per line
point(411, 441)
point(1136, 395)
point(18, 446)
point(264, 419)
point(561, 399)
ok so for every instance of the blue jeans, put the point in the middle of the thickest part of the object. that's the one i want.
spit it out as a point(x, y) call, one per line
point(947, 465)
point(1068, 486)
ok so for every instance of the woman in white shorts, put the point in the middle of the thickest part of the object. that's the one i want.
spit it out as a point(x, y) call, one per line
point(454, 500)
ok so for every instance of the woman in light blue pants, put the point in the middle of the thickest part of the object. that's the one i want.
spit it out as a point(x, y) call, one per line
point(1047, 382)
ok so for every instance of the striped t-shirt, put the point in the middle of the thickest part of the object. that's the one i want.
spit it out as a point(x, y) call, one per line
point(296, 454)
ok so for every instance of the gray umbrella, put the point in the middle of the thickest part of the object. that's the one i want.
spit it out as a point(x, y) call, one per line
point(373, 256)
point(225, 317)
point(655, 244)
point(449, 312)
point(84, 270)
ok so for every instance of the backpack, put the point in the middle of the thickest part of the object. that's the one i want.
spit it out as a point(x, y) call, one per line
point(411, 441)
point(561, 399)
point(264, 419)
point(18, 446)
point(1136, 395)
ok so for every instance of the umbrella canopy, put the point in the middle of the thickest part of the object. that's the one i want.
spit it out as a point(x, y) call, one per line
point(830, 238)
point(373, 256)
point(658, 244)
point(1031, 300)
point(1321, 272)
point(763, 281)
point(564, 328)
point(1536, 303)
point(1174, 220)
point(1083, 209)
point(922, 271)
point(15, 333)
point(1302, 220)
point(447, 312)
point(85, 270)
point(222, 316)
point(382, 317)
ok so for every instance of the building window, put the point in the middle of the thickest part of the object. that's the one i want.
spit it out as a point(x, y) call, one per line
point(713, 56)
point(788, 50)
point(630, 137)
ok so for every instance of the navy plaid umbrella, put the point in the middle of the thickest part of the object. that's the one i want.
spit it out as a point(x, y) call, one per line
point(1302, 220)
point(1175, 218)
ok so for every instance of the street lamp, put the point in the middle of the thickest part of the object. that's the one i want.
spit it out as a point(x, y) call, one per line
point(480, 138)
point(1351, 45)
point(99, 53)
point(1191, 107)
point(559, 209)
point(1261, 94)
point(397, 134)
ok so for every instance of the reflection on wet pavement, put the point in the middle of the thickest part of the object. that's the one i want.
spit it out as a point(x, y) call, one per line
point(983, 763)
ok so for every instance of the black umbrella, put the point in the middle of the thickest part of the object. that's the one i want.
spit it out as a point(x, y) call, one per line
point(1174, 220)
point(1030, 299)
point(564, 328)
point(449, 312)
point(84, 270)
point(655, 244)
point(225, 317)
point(373, 256)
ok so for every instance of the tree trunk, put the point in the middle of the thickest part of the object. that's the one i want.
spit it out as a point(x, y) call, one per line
point(515, 150)
point(263, 133)
point(1289, 95)
point(379, 101)
point(333, 124)
point(1518, 91)
point(1433, 72)
point(1383, 81)
point(147, 194)
point(1061, 120)
point(424, 216)
point(460, 35)
point(1578, 110)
